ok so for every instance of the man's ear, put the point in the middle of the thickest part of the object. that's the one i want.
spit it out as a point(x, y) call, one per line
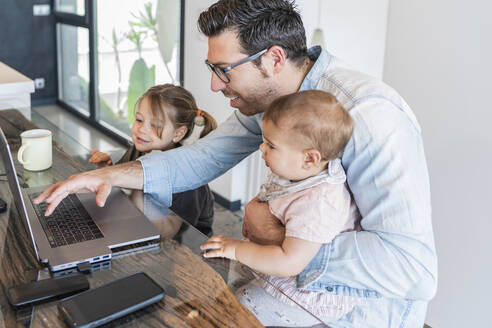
point(179, 134)
point(311, 158)
point(277, 57)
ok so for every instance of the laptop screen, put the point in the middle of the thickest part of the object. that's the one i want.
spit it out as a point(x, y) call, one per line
point(14, 185)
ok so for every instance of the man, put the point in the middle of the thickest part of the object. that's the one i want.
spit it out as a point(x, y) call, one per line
point(257, 52)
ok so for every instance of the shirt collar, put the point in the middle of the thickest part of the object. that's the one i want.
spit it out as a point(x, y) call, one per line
point(322, 60)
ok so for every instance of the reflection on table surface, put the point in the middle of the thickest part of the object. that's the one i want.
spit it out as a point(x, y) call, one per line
point(66, 142)
point(199, 291)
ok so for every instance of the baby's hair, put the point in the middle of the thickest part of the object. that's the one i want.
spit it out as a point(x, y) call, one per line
point(184, 108)
point(317, 117)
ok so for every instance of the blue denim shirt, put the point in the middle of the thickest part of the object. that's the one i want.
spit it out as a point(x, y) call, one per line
point(392, 263)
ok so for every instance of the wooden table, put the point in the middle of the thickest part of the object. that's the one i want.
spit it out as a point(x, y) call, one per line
point(197, 294)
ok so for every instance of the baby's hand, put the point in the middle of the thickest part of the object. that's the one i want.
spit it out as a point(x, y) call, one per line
point(220, 246)
point(100, 158)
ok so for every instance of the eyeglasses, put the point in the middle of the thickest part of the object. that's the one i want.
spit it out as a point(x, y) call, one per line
point(222, 72)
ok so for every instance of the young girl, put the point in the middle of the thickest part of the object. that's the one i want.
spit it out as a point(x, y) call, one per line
point(304, 136)
point(166, 115)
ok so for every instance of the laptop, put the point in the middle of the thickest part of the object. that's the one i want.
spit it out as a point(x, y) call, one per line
point(78, 231)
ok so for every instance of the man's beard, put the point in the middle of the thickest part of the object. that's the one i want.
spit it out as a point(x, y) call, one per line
point(257, 102)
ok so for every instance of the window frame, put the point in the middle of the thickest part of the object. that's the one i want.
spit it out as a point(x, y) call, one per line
point(89, 22)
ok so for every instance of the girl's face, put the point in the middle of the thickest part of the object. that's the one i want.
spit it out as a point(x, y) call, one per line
point(281, 153)
point(144, 134)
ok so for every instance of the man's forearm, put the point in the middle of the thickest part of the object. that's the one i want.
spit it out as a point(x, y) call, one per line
point(191, 166)
point(260, 226)
point(128, 175)
point(273, 236)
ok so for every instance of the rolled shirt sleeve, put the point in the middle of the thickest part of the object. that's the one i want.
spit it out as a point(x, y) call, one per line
point(191, 166)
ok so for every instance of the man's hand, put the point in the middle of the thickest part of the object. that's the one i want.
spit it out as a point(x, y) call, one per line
point(100, 182)
point(260, 225)
point(92, 181)
point(221, 246)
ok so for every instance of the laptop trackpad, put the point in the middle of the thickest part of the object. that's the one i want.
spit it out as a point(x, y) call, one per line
point(119, 220)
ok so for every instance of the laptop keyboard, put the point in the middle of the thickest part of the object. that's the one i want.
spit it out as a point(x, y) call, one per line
point(68, 224)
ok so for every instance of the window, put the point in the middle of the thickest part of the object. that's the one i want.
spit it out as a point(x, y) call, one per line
point(137, 48)
point(111, 51)
point(73, 66)
point(76, 7)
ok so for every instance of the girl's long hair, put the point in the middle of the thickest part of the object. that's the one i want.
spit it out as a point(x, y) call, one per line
point(183, 109)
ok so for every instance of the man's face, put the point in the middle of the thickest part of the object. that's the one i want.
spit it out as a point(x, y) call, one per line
point(250, 89)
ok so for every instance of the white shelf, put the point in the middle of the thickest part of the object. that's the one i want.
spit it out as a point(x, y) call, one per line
point(15, 90)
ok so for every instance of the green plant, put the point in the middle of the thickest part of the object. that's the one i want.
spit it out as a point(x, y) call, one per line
point(116, 39)
point(146, 20)
point(141, 78)
point(137, 37)
point(162, 27)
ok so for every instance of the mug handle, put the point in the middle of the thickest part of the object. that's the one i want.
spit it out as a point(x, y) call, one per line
point(20, 153)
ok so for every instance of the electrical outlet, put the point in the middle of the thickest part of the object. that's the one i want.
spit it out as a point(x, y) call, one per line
point(39, 83)
point(41, 10)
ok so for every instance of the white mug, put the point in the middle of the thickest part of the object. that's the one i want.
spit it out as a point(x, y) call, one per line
point(35, 154)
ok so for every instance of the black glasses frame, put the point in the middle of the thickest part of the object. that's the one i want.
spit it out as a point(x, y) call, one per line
point(222, 72)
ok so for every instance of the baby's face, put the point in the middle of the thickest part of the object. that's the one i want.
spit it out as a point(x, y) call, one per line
point(281, 153)
point(144, 134)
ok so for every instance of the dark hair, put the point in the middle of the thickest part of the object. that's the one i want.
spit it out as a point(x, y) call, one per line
point(316, 117)
point(259, 24)
point(183, 105)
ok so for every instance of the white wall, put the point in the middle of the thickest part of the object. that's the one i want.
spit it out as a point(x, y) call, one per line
point(438, 55)
point(349, 26)
point(354, 30)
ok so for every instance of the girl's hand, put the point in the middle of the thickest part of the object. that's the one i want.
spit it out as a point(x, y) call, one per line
point(220, 246)
point(100, 158)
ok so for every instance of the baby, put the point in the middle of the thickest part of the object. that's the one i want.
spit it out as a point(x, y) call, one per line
point(305, 133)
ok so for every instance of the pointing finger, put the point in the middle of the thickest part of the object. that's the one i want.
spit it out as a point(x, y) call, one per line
point(102, 194)
point(53, 204)
point(45, 194)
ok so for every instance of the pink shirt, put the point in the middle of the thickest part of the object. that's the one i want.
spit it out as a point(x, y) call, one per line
point(316, 214)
